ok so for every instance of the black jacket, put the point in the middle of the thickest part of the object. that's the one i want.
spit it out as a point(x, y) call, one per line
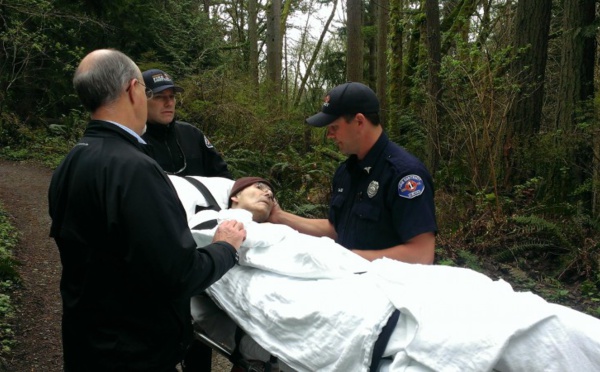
point(130, 264)
point(182, 149)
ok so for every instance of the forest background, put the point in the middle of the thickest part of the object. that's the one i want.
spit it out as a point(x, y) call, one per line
point(497, 97)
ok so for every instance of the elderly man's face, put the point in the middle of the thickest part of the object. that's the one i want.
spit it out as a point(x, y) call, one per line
point(257, 199)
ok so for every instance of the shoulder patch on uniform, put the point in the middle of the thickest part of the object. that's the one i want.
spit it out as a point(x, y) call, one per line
point(411, 186)
point(207, 142)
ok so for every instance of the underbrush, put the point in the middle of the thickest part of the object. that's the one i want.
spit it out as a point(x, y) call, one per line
point(8, 279)
point(45, 150)
point(47, 144)
point(551, 250)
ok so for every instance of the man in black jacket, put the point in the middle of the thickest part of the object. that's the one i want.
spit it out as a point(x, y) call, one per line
point(179, 147)
point(130, 264)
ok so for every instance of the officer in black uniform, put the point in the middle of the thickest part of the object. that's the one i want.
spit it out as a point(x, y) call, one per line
point(179, 147)
point(382, 201)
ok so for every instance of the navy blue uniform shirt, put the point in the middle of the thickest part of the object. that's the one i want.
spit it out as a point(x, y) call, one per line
point(382, 201)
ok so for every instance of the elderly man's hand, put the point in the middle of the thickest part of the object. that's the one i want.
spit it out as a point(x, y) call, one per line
point(232, 232)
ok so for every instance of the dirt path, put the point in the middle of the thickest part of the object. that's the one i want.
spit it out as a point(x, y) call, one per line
point(23, 193)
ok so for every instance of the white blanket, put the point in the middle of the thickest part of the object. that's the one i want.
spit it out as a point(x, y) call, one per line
point(320, 317)
point(324, 317)
point(467, 322)
point(301, 299)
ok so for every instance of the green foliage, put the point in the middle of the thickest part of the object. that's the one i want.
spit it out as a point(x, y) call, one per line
point(332, 68)
point(47, 146)
point(185, 42)
point(565, 246)
point(8, 241)
point(474, 128)
point(304, 182)
point(11, 130)
point(37, 43)
point(8, 277)
point(470, 260)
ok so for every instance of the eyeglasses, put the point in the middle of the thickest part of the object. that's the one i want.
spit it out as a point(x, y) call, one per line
point(263, 187)
point(148, 91)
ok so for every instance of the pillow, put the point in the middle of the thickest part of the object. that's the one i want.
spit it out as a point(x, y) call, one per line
point(191, 197)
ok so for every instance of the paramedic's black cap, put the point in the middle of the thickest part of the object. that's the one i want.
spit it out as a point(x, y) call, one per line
point(348, 98)
point(244, 182)
point(158, 80)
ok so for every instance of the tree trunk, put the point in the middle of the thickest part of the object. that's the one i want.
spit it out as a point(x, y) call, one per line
point(530, 41)
point(382, 47)
point(485, 23)
point(253, 42)
point(274, 49)
point(354, 53)
point(370, 39)
point(458, 23)
point(575, 92)
point(396, 57)
point(412, 56)
point(434, 86)
point(577, 60)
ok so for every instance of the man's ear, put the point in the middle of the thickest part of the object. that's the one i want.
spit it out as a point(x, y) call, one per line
point(131, 90)
point(360, 118)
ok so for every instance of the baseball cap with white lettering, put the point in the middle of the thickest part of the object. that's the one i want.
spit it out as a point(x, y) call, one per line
point(158, 80)
point(348, 98)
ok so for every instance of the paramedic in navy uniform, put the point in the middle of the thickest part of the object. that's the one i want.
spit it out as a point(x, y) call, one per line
point(129, 262)
point(179, 147)
point(382, 196)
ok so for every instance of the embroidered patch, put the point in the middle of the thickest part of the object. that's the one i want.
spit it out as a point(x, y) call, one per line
point(207, 142)
point(372, 189)
point(411, 186)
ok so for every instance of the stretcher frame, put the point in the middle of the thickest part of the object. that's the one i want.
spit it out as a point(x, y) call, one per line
point(235, 357)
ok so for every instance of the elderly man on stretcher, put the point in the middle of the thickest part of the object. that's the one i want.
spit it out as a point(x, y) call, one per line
point(319, 307)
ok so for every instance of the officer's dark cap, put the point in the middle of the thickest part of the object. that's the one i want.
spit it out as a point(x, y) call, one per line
point(348, 98)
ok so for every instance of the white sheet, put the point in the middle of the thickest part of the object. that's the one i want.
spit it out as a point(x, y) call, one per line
point(191, 197)
point(300, 299)
point(310, 319)
point(467, 322)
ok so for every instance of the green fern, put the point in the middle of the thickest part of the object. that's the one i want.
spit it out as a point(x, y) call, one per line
point(540, 225)
point(521, 249)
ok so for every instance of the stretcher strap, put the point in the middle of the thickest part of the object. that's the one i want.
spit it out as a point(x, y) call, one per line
point(210, 199)
point(382, 340)
point(206, 225)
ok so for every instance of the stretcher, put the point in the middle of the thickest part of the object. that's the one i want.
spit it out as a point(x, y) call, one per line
point(237, 360)
point(216, 330)
point(213, 328)
point(316, 306)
